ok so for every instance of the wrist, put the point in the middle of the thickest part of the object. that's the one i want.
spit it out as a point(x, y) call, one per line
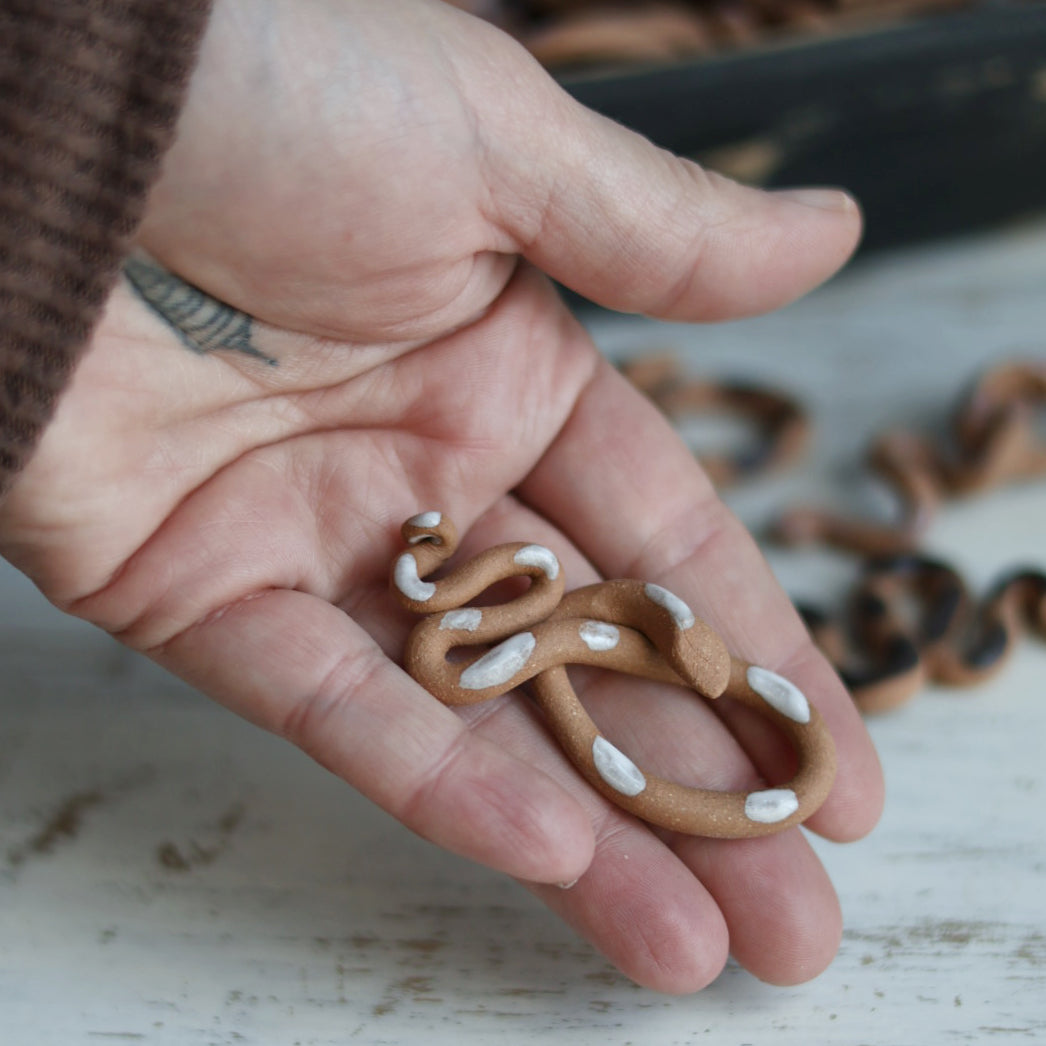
point(99, 87)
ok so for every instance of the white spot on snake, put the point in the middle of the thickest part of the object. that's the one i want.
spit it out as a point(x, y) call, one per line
point(425, 520)
point(616, 768)
point(465, 620)
point(538, 556)
point(771, 806)
point(499, 665)
point(681, 613)
point(779, 693)
point(599, 635)
point(408, 582)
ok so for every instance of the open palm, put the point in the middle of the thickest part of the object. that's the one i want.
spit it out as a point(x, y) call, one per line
point(234, 513)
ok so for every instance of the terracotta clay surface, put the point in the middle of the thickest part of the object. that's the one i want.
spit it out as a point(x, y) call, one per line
point(626, 626)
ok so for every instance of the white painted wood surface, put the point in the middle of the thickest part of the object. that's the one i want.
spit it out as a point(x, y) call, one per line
point(171, 876)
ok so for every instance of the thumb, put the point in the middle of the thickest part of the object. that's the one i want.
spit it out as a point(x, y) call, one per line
point(637, 229)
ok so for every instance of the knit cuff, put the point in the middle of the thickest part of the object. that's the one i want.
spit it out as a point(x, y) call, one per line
point(90, 91)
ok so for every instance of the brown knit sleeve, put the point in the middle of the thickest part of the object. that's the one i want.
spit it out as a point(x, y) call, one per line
point(89, 94)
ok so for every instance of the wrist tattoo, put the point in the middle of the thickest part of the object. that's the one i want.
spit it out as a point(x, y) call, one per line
point(202, 323)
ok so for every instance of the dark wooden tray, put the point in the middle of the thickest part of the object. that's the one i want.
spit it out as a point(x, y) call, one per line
point(937, 125)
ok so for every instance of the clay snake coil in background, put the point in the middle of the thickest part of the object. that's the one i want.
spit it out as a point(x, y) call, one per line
point(626, 626)
point(910, 619)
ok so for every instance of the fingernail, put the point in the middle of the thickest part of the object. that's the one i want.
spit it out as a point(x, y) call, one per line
point(567, 886)
point(821, 199)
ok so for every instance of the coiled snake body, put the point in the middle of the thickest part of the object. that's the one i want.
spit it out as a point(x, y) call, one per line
point(626, 626)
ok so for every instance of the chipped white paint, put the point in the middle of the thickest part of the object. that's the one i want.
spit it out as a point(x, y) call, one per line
point(467, 619)
point(771, 805)
point(599, 635)
point(617, 769)
point(779, 693)
point(426, 520)
point(681, 613)
point(407, 581)
point(498, 665)
point(540, 557)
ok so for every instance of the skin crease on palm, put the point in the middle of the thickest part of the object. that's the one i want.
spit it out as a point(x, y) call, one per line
point(384, 187)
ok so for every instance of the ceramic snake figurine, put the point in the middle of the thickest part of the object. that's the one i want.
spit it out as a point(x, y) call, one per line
point(626, 626)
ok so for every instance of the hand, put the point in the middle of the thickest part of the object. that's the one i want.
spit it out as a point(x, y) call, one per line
point(361, 181)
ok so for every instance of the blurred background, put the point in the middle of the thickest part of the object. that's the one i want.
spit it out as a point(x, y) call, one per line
point(931, 112)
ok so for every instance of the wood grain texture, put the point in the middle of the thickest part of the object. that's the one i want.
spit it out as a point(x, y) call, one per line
point(174, 877)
